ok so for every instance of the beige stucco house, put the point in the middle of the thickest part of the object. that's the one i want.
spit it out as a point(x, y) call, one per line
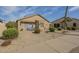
point(28, 23)
point(73, 23)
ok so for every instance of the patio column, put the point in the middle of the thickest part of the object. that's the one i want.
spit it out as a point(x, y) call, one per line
point(36, 24)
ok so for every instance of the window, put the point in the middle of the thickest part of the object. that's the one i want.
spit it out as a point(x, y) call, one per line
point(56, 25)
point(74, 25)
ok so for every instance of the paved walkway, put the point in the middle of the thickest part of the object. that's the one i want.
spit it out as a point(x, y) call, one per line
point(43, 42)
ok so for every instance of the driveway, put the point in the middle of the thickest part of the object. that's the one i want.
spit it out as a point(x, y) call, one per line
point(43, 43)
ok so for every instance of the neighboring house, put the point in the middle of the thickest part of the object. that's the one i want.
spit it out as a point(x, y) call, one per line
point(72, 23)
point(28, 23)
point(2, 27)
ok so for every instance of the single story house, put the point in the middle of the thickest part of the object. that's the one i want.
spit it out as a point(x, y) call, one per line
point(72, 23)
point(28, 23)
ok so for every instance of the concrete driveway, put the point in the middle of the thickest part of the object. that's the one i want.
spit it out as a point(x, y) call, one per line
point(43, 43)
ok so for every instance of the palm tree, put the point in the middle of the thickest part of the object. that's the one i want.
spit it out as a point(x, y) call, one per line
point(66, 19)
point(64, 22)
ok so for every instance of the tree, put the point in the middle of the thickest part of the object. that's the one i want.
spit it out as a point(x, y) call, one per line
point(11, 24)
point(64, 22)
point(66, 19)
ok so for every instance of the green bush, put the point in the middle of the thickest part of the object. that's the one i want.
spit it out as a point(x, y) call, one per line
point(37, 31)
point(59, 29)
point(51, 29)
point(77, 28)
point(21, 29)
point(69, 28)
point(11, 25)
point(10, 33)
point(73, 28)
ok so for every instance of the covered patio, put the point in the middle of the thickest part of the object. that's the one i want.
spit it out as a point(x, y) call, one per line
point(30, 26)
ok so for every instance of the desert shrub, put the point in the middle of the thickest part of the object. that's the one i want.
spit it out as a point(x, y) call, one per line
point(77, 28)
point(69, 28)
point(21, 29)
point(37, 31)
point(10, 33)
point(11, 25)
point(51, 29)
point(73, 28)
point(59, 29)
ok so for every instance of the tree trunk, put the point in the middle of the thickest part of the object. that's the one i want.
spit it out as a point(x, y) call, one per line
point(65, 17)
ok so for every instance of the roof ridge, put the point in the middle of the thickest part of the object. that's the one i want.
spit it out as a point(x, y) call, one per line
point(32, 16)
point(66, 17)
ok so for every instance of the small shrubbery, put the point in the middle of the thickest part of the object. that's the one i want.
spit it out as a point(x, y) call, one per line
point(69, 28)
point(21, 29)
point(37, 31)
point(10, 33)
point(77, 28)
point(73, 28)
point(59, 29)
point(51, 29)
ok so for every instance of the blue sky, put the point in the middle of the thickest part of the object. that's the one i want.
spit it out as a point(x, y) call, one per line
point(51, 13)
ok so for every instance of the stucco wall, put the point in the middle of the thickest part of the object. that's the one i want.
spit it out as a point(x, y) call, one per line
point(69, 24)
point(2, 28)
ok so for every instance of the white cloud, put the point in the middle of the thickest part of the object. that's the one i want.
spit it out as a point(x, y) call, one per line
point(73, 9)
point(14, 12)
point(8, 10)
